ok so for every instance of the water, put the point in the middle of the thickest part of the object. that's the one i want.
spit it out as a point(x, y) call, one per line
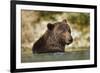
point(76, 55)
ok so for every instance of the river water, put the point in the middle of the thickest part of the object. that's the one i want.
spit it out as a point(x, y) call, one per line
point(68, 56)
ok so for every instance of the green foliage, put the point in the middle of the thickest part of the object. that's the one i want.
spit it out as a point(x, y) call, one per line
point(47, 15)
point(81, 19)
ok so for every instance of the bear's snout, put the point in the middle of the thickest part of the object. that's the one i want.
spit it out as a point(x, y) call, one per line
point(70, 40)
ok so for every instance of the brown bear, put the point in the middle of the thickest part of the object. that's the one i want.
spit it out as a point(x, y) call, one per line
point(54, 39)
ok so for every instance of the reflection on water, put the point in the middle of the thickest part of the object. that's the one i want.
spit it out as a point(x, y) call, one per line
point(76, 55)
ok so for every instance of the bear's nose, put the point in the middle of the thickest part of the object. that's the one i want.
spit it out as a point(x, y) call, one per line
point(71, 39)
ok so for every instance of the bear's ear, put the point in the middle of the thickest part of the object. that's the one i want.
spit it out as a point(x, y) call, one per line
point(65, 21)
point(50, 26)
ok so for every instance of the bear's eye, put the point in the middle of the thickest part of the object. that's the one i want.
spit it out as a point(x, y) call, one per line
point(68, 29)
point(64, 30)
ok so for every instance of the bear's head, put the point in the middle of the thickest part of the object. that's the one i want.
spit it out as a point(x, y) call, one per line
point(61, 32)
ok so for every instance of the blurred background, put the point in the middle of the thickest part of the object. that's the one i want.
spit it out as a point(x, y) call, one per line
point(34, 24)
